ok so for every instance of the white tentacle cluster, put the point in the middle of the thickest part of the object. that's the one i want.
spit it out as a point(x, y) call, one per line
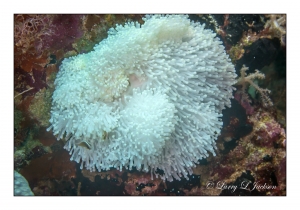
point(148, 96)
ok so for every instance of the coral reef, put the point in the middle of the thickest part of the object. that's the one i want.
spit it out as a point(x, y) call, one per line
point(245, 80)
point(259, 54)
point(234, 27)
point(40, 106)
point(239, 32)
point(50, 171)
point(250, 151)
point(27, 84)
point(18, 118)
point(29, 34)
point(276, 27)
point(261, 153)
point(28, 148)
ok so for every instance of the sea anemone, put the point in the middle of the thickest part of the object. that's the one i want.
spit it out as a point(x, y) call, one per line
point(149, 96)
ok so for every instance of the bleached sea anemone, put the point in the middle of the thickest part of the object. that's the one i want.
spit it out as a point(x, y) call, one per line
point(149, 96)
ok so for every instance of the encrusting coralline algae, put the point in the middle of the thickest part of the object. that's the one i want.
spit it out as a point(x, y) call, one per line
point(149, 96)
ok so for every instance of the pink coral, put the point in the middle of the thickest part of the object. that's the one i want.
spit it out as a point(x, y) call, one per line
point(269, 132)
